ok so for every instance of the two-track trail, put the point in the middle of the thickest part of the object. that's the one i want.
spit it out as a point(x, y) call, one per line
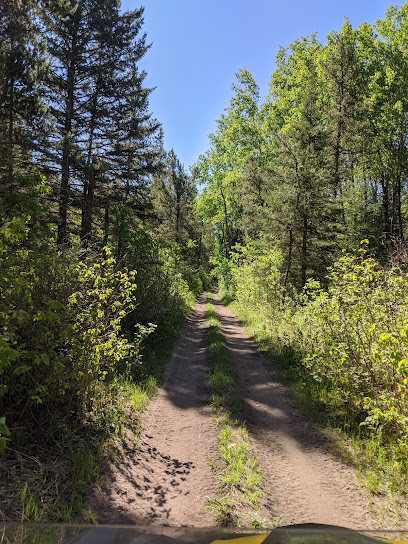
point(167, 479)
point(304, 481)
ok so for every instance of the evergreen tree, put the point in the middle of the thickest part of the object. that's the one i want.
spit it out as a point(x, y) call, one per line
point(122, 141)
point(345, 108)
point(387, 67)
point(106, 143)
point(66, 23)
point(135, 137)
point(22, 110)
point(174, 194)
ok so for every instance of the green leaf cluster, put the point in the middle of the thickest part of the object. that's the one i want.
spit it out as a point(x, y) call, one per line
point(355, 340)
point(61, 326)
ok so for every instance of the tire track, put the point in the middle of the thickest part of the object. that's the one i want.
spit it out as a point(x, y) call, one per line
point(304, 481)
point(166, 480)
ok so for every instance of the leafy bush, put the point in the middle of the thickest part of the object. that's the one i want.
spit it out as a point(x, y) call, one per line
point(344, 348)
point(257, 277)
point(165, 295)
point(222, 272)
point(355, 338)
point(252, 277)
point(60, 321)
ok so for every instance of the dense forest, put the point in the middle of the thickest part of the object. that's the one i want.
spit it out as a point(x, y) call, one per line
point(297, 211)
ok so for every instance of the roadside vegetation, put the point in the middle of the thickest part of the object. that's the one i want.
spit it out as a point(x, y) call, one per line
point(292, 184)
point(101, 256)
point(343, 350)
point(74, 375)
point(239, 474)
point(105, 242)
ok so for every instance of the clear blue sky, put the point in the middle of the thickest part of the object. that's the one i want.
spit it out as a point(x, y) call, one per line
point(198, 46)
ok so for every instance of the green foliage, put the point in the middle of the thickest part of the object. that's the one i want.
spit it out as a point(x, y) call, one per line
point(98, 349)
point(355, 339)
point(252, 275)
point(257, 277)
point(61, 329)
point(70, 316)
point(344, 349)
point(220, 169)
point(4, 433)
point(322, 163)
point(222, 271)
point(167, 286)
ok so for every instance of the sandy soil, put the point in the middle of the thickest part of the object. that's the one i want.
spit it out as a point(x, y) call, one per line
point(304, 481)
point(167, 479)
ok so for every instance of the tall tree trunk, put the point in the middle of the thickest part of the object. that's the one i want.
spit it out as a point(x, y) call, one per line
point(399, 211)
point(88, 193)
point(66, 151)
point(178, 219)
point(86, 224)
point(121, 231)
point(200, 242)
point(121, 226)
point(11, 137)
point(227, 233)
point(291, 238)
point(401, 153)
point(62, 237)
point(337, 159)
point(393, 207)
point(289, 262)
point(385, 205)
point(106, 227)
point(304, 251)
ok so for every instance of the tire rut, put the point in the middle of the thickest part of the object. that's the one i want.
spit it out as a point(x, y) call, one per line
point(303, 480)
point(166, 480)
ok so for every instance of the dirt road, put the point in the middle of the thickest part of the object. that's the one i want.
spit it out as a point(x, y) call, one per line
point(167, 479)
point(304, 481)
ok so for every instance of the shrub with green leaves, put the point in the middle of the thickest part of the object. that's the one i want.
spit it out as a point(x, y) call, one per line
point(257, 277)
point(355, 340)
point(165, 295)
point(60, 326)
point(253, 277)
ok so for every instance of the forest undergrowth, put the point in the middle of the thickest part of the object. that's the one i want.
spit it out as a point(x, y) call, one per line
point(101, 256)
point(74, 376)
point(105, 242)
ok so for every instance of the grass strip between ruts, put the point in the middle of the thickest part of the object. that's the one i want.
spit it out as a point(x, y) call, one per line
point(239, 472)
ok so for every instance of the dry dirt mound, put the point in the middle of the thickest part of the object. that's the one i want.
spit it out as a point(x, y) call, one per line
point(304, 481)
point(167, 478)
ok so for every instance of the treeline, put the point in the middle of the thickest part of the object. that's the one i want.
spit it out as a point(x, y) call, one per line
point(321, 164)
point(292, 186)
point(98, 240)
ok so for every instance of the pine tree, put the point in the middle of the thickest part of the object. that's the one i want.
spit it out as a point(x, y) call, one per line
point(105, 136)
point(173, 196)
point(135, 138)
point(22, 111)
point(66, 23)
point(387, 69)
